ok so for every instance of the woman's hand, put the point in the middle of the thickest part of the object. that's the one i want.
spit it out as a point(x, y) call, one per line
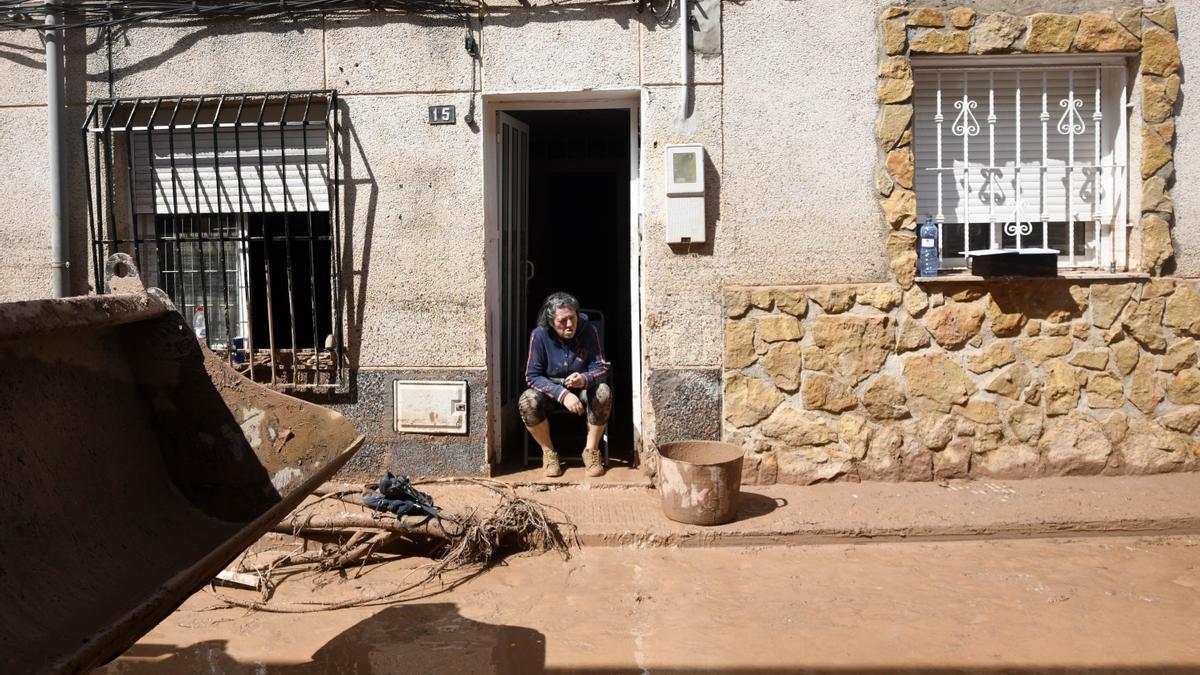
point(575, 381)
point(572, 402)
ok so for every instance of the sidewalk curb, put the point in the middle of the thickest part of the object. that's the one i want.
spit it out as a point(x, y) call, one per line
point(1012, 531)
point(850, 513)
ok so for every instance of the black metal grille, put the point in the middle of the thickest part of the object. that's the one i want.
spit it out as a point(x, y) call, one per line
point(229, 203)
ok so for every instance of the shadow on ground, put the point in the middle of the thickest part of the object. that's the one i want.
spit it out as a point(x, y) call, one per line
point(754, 505)
point(415, 638)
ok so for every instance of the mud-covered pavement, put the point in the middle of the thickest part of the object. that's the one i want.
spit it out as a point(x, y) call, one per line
point(1100, 604)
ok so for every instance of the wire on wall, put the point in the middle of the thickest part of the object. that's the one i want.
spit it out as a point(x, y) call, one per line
point(471, 44)
point(31, 14)
point(662, 16)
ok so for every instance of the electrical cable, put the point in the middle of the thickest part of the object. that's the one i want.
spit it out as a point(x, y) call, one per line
point(472, 47)
point(31, 14)
point(661, 17)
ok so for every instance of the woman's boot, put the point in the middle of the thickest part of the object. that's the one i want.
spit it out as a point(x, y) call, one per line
point(591, 462)
point(551, 467)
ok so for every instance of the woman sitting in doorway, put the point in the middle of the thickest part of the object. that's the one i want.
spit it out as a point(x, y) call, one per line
point(565, 369)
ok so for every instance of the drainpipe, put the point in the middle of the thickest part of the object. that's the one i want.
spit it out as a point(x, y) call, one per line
point(59, 265)
point(685, 76)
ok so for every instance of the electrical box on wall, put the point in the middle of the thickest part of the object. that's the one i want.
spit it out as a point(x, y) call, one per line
point(685, 194)
point(429, 406)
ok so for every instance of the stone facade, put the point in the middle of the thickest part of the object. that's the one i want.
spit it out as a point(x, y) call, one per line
point(794, 183)
point(1150, 33)
point(1013, 379)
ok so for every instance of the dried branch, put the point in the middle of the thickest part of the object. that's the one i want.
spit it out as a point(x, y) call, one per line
point(516, 523)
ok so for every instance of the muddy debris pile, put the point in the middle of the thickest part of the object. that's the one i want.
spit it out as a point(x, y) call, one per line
point(389, 520)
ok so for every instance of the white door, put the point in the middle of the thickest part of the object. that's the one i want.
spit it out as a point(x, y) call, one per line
point(512, 156)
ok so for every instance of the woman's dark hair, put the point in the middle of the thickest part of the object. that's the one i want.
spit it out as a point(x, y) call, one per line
point(552, 304)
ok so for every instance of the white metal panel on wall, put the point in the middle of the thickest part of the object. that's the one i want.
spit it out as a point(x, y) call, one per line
point(231, 172)
point(429, 406)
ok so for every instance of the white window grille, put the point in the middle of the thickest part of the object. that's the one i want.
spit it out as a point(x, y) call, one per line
point(1013, 153)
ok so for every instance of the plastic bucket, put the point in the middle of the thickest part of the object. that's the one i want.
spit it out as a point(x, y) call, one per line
point(700, 481)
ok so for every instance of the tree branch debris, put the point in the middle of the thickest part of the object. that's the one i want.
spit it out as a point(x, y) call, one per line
point(474, 541)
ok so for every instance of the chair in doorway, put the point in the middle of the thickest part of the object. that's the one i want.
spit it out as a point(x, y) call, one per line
point(562, 417)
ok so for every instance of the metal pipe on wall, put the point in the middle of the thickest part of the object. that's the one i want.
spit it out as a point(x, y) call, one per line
point(59, 236)
point(685, 75)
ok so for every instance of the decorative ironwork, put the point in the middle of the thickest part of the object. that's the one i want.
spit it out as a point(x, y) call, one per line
point(1025, 228)
point(1071, 122)
point(965, 124)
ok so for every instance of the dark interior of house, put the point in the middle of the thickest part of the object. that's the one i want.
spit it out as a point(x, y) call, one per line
point(579, 234)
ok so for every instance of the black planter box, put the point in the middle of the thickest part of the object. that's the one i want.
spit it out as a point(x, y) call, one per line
point(1021, 262)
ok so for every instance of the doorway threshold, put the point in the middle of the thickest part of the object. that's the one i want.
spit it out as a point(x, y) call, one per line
point(619, 475)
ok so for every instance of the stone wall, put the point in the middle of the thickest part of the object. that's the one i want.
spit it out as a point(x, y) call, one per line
point(1013, 379)
point(1145, 33)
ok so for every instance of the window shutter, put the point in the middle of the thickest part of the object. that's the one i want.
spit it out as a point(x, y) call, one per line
point(203, 178)
point(1044, 194)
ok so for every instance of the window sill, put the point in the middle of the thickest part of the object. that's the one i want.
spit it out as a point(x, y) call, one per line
point(957, 278)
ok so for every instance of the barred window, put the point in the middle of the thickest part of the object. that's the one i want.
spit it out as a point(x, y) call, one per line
point(1023, 152)
point(229, 204)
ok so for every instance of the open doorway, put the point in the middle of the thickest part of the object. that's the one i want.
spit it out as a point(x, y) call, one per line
point(564, 223)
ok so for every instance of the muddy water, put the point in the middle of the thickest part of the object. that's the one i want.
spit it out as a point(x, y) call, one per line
point(700, 452)
point(1099, 604)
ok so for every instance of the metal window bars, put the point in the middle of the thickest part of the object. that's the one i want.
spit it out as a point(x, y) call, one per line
point(231, 204)
point(986, 190)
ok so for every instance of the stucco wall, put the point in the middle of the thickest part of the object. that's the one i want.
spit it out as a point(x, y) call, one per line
point(22, 58)
point(798, 195)
point(24, 221)
point(215, 57)
point(414, 213)
point(24, 216)
point(790, 186)
point(1186, 233)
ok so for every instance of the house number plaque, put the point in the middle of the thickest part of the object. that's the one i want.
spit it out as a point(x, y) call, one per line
point(441, 114)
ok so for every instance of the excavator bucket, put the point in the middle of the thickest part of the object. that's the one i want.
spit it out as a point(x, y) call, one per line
point(136, 465)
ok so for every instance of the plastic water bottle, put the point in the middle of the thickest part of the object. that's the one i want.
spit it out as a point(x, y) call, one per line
point(198, 322)
point(927, 249)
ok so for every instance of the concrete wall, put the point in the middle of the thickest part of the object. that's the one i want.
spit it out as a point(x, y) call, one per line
point(792, 194)
point(786, 114)
point(24, 222)
point(24, 229)
point(1186, 235)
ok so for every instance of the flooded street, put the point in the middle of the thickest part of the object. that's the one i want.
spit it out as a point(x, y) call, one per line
point(1105, 603)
